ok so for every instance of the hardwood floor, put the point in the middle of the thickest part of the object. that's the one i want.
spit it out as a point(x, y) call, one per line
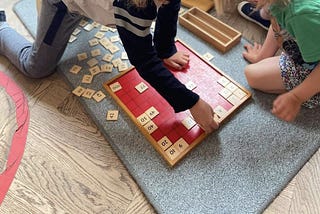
point(68, 166)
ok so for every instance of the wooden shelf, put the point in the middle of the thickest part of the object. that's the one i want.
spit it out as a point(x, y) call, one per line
point(210, 29)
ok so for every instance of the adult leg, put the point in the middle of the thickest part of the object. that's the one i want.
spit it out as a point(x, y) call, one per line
point(265, 76)
point(37, 60)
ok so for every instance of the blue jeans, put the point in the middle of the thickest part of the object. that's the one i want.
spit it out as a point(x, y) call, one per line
point(39, 59)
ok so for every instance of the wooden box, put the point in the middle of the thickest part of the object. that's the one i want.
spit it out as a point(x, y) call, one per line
point(210, 29)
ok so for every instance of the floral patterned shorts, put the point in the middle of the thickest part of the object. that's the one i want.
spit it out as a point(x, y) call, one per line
point(292, 75)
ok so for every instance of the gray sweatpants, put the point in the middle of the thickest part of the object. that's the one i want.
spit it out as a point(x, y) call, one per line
point(39, 59)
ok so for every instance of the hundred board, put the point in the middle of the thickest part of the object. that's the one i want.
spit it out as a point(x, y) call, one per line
point(172, 134)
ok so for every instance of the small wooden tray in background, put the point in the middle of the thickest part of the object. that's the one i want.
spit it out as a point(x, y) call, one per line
point(220, 35)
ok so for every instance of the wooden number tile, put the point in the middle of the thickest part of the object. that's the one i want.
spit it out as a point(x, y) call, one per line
point(99, 35)
point(87, 78)
point(141, 87)
point(150, 127)
point(115, 87)
point(231, 87)
point(124, 55)
point(113, 48)
point(239, 93)
point(107, 67)
point(220, 111)
point(88, 93)
point(216, 118)
point(99, 96)
point(92, 62)
point(107, 57)
point(180, 145)
point(88, 27)
point(95, 70)
point(223, 81)
point(152, 112)
point(112, 29)
point(172, 152)
point(122, 66)
point(114, 38)
point(208, 56)
point(93, 42)
point(78, 91)
point(95, 24)
point(75, 69)
point(188, 122)
point(96, 52)
point(106, 45)
point(191, 85)
point(105, 41)
point(234, 100)
point(104, 28)
point(82, 56)
point(225, 93)
point(143, 119)
point(76, 31)
point(164, 143)
point(72, 38)
point(112, 115)
point(83, 23)
point(116, 62)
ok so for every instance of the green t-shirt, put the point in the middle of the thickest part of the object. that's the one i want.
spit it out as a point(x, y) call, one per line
point(301, 18)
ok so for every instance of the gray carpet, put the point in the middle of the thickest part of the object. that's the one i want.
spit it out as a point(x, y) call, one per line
point(240, 168)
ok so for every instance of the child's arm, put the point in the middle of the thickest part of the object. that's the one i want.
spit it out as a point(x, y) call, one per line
point(255, 53)
point(164, 34)
point(203, 115)
point(287, 105)
point(134, 30)
point(138, 44)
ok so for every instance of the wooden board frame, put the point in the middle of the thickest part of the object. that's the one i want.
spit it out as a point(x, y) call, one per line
point(201, 136)
point(217, 33)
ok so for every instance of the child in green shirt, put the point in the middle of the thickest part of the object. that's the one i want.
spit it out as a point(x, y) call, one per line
point(295, 74)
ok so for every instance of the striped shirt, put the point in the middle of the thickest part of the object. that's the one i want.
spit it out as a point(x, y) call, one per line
point(146, 51)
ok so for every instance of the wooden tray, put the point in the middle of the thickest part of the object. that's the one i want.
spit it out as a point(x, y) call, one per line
point(220, 35)
point(174, 135)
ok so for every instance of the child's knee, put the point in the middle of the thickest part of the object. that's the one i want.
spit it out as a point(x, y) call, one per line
point(252, 77)
point(39, 71)
point(248, 71)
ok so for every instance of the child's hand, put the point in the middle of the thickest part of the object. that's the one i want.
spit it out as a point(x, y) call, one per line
point(177, 61)
point(202, 113)
point(286, 106)
point(252, 52)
